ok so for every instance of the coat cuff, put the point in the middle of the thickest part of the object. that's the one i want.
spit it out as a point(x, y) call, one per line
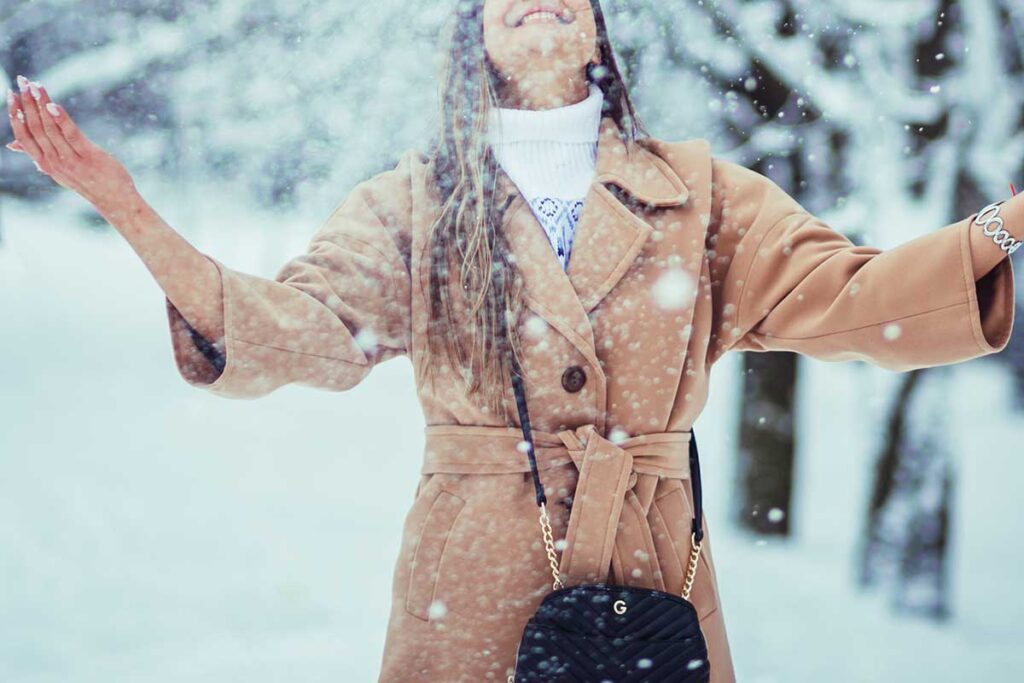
point(990, 299)
point(199, 361)
point(252, 365)
point(204, 368)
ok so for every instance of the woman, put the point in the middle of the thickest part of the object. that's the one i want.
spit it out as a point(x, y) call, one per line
point(626, 265)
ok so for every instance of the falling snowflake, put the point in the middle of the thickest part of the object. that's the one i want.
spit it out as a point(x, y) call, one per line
point(674, 289)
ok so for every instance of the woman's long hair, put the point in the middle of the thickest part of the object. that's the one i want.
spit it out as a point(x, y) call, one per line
point(467, 239)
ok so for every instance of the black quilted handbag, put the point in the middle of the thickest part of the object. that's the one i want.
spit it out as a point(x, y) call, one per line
point(593, 633)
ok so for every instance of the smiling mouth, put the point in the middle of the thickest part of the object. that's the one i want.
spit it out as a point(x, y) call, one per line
point(541, 17)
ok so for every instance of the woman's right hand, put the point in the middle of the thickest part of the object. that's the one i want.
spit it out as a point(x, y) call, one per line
point(44, 131)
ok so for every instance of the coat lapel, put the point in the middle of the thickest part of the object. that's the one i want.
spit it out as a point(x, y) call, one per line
point(608, 238)
point(549, 292)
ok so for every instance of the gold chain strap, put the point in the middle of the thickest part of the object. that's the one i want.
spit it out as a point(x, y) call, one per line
point(691, 569)
point(549, 543)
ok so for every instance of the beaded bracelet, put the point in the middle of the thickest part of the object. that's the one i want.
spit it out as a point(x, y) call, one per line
point(1000, 235)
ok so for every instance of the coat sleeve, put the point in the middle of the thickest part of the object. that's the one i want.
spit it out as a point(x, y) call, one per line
point(783, 280)
point(328, 316)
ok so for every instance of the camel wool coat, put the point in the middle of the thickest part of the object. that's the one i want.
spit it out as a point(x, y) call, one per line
point(679, 257)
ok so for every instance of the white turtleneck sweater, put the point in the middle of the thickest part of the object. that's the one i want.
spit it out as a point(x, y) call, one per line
point(550, 155)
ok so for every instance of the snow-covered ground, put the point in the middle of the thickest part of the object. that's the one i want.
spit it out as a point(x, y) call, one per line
point(152, 532)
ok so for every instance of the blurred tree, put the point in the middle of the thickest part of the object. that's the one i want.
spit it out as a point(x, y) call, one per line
point(906, 536)
point(885, 119)
point(289, 100)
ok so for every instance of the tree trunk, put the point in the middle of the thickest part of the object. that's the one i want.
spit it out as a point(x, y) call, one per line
point(907, 527)
point(766, 451)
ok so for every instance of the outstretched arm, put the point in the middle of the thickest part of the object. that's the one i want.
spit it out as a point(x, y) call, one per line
point(45, 132)
point(784, 280)
point(325, 320)
point(328, 316)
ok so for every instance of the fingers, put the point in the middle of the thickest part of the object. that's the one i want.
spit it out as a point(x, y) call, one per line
point(49, 113)
point(33, 120)
point(14, 145)
point(41, 122)
point(21, 132)
point(68, 128)
point(44, 131)
point(59, 125)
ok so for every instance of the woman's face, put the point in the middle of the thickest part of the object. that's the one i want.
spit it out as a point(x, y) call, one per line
point(561, 45)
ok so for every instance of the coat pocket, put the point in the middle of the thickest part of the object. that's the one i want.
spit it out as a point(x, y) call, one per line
point(671, 524)
point(430, 547)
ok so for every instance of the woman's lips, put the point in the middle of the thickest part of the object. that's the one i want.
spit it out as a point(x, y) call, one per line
point(558, 16)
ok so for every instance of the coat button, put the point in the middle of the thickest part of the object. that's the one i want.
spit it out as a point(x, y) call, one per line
point(573, 379)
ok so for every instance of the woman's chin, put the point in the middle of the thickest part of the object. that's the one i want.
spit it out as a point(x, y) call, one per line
point(549, 41)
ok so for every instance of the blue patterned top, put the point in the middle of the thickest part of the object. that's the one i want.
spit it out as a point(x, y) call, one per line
point(558, 217)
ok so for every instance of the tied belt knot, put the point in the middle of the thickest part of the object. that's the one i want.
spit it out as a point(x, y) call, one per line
point(608, 525)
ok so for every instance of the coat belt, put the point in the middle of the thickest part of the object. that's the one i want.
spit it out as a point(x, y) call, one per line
point(608, 522)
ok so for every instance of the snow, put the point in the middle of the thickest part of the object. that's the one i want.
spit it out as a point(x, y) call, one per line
point(154, 532)
point(151, 531)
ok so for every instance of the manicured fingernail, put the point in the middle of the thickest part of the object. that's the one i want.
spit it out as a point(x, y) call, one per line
point(21, 116)
point(53, 109)
point(34, 89)
point(22, 83)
